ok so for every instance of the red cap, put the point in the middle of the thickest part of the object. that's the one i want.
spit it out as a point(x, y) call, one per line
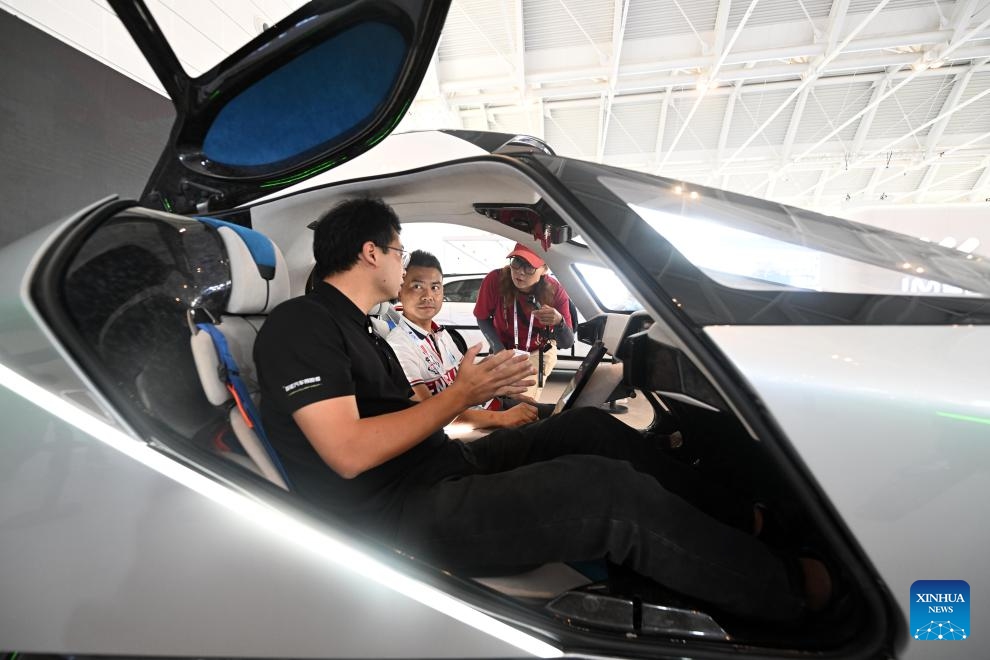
point(526, 255)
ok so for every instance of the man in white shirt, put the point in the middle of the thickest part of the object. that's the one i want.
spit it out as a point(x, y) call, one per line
point(427, 352)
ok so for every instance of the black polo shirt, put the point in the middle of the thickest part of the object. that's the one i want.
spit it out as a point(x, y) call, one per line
point(321, 346)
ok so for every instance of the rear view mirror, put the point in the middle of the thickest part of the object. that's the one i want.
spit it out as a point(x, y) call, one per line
point(558, 233)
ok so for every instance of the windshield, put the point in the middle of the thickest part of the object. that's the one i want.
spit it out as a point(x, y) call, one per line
point(747, 243)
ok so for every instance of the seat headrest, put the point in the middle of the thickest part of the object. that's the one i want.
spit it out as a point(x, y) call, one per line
point(384, 316)
point(258, 274)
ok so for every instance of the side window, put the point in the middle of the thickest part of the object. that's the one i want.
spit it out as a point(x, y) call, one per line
point(470, 290)
point(127, 290)
point(462, 291)
point(452, 291)
point(462, 251)
point(607, 289)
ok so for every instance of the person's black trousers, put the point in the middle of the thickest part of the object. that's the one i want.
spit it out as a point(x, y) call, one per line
point(581, 486)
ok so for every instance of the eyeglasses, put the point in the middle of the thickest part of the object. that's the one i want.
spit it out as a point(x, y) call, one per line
point(405, 253)
point(518, 263)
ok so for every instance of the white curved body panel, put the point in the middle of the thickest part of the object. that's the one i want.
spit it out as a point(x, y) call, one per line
point(894, 423)
point(111, 547)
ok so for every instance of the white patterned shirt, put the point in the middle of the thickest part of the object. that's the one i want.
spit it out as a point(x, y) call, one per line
point(428, 359)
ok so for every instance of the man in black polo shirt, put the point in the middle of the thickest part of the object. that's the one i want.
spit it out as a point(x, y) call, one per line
point(580, 485)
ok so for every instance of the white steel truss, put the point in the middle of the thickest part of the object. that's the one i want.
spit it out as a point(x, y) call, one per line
point(815, 104)
point(654, 72)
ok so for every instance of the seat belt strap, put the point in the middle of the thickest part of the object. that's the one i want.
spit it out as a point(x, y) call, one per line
point(242, 397)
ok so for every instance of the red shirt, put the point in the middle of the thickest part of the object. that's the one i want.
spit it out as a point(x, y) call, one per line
point(491, 305)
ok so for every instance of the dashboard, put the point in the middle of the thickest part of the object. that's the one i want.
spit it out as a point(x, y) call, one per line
point(647, 363)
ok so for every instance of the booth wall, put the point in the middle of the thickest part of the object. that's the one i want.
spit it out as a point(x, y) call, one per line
point(72, 130)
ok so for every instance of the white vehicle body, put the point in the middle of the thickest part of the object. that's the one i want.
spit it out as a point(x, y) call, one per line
point(127, 529)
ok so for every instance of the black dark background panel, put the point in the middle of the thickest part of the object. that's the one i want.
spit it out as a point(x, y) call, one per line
point(72, 130)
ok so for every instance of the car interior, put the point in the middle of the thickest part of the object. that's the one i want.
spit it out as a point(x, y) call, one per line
point(164, 311)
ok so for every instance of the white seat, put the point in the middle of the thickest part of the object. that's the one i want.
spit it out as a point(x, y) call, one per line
point(383, 316)
point(259, 281)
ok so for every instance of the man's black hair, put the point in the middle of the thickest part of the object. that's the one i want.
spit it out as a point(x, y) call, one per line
point(341, 233)
point(424, 259)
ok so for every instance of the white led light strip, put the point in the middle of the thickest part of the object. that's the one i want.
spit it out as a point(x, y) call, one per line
point(276, 521)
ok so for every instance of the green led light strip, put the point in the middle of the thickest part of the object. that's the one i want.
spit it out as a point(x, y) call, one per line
point(305, 173)
point(395, 122)
point(965, 418)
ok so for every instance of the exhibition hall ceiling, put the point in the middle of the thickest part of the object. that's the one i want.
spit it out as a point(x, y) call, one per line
point(825, 104)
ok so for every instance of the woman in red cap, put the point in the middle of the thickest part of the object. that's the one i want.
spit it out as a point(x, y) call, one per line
point(512, 296)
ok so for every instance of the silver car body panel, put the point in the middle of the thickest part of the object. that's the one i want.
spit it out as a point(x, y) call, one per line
point(108, 546)
point(898, 444)
point(26, 344)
